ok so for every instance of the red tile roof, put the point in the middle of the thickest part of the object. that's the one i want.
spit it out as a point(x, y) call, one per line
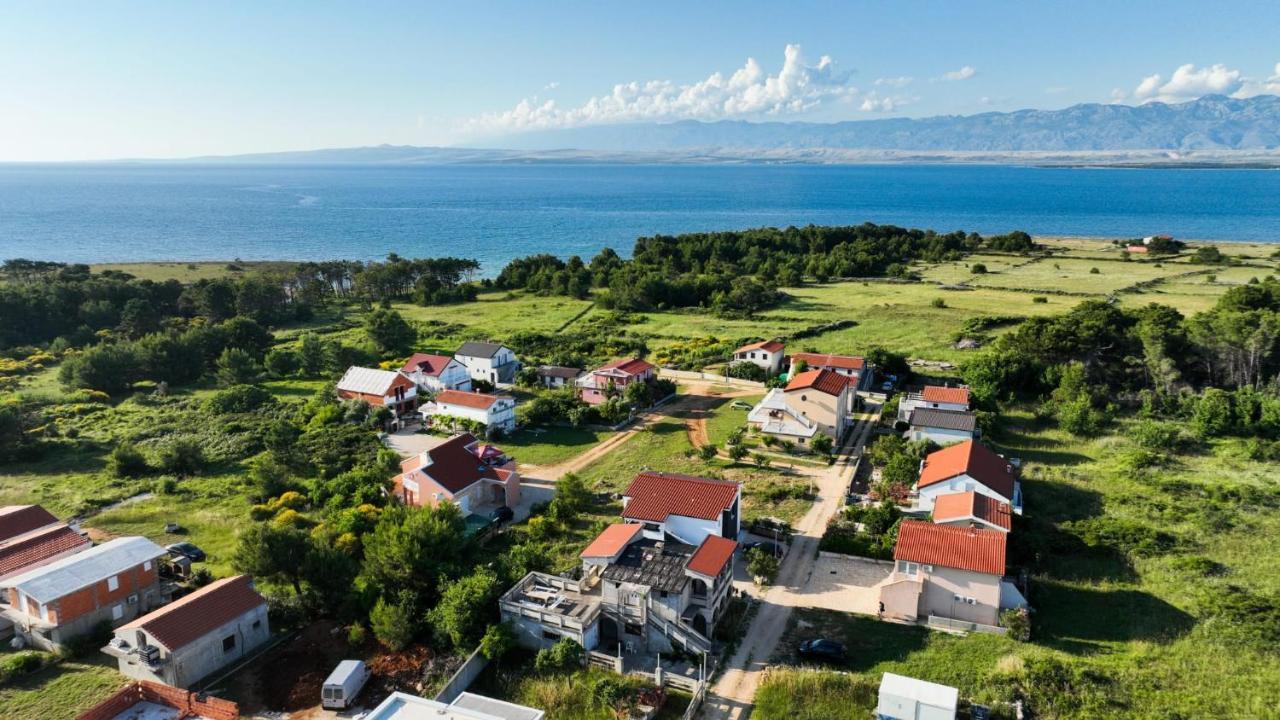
point(453, 465)
point(18, 520)
point(35, 547)
point(654, 496)
point(820, 380)
point(819, 360)
point(952, 547)
point(970, 458)
point(184, 621)
point(431, 365)
point(710, 557)
point(627, 366)
point(961, 506)
point(611, 542)
point(767, 345)
point(939, 394)
point(479, 401)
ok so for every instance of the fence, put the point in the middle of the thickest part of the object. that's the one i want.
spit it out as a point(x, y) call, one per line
point(938, 622)
point(463, 678)
point(186, 703)
point(709, 377)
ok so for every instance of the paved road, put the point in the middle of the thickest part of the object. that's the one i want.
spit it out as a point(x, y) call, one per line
point(732, 695)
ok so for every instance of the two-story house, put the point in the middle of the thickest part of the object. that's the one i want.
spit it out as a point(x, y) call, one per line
point(969, 466)
point(381, 388)
point(113, 582)
point(683, 507)
point(850, 366)
point(491, 362)
point(434, 373)
point(30, 537)
point(496, 412)
point(194, 637)
point(476, 477)
point(766, 355)
point(933, 397)
point(949, 572)
point(612, 379)
point(557, 376)
point(941, 427)
point(814, 401)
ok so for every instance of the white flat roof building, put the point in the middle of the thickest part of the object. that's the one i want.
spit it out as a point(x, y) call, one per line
point(906, 698)
point(403, 706)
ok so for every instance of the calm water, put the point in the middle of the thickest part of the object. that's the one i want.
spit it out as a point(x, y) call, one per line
point(493, 213)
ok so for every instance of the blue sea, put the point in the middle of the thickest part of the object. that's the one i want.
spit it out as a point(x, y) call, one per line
point(117, 213)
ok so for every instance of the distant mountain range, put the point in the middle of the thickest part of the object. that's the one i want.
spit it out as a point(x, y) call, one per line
point(1214, 130)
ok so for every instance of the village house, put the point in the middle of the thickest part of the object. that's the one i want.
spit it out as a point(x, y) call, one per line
point(852, 367)
point(815, 401)
point(491, 362)
point(145, 700)
point(467, 706)
point(972, 509)
point(942, 427)
point(30, 537)
point(113, 582)
point(933, 397)
point(556, 377)
point(434, 373)
point(381, 388)
point(475, 476)
point(766, 355)
point(612, 379)
point(194, 637)
point(969, 466)
point(942, 571)
point(495, 412)
point(683, 507)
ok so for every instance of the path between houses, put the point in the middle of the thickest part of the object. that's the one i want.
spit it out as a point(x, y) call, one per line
point(731, 697)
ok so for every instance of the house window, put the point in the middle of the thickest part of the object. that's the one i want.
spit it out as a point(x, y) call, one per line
point(229, 643)
point(113, 583)
point(117, 612)
point(549, 635)
point(909, 569)
point(146, 565)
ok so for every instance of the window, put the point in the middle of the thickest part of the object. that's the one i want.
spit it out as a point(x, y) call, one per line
point(549, 635)
point(117, 612)
point(229, 643)
point(113, 583)
point(257, 624)
point(146, 565)
point(909, 569)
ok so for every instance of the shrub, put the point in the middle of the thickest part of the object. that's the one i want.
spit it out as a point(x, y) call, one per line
point(394, 622)
point(1018, 621)
point(126, 461)
point(760, 459)
point(738, 452)
point(356, 635)
point(497, 641)
point(21, 663)
point(978, 269)
point(238, 399)
point(1095, 271)
point(1040, 299)
point(744, 370)
point(707, 452)
point(762, 565)
point(565, 655)
point(181, 457)
point(238, 367)
point(938, 303)
point(166, 486)
point(283, 362)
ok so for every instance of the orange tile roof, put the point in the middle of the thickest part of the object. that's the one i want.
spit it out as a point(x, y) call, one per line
point(768, 345)
point(654, 496)
point(26, 551)
point(18, 520)
point(820, 360)
point(431, 365)
point(629, 366)
point(939, 394)
point(820, 380)
point(961, 506)
point(479, 401)
point(710, 557)
point(970, 458)
point(184, 621)
point(612, 540)
point(981, 551)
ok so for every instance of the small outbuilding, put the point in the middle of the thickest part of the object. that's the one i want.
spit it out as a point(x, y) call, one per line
point(906, 698)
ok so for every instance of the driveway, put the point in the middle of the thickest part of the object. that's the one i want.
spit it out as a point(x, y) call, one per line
point(844, 583)
point(409, 443)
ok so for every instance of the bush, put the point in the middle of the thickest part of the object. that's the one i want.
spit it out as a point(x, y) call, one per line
point(978, 269)
point(1018, 621)
point(356, 635)
point(565, 655)
point(181, 457)
point(238, 367)
point(238, 399)
point(394, 622)
point(1040, 300)
point(938, 303)
point(762, 565)
point(126, 461)
point(707, 452)
point(744, 370)
point(166, 486)
point(283, 362)
point(497, 641)
point(21, 663)
point(1095, 271)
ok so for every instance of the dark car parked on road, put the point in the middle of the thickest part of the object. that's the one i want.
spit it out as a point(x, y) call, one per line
point(823, 650)
point(186, 550)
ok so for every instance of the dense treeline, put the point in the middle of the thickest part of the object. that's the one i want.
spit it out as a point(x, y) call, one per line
point(738, 272)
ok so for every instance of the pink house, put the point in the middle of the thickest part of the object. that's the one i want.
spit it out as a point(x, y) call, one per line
point(597, 386)
point(475, 476)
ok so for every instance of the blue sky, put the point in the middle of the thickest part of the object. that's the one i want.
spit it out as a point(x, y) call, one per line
point(90, 80)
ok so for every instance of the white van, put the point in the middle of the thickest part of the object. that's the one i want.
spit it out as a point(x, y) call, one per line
point(343, 684)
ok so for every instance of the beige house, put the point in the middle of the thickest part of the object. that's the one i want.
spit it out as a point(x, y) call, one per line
point(941, 571)
point(815, 401)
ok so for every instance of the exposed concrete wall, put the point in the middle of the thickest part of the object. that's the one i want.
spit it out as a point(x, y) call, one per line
point(943, 584)
point(463, 678)
point(201, 658)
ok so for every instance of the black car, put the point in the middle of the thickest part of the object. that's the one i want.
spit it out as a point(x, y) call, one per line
point(822, 649)
point(186, 550)
point(502, 514)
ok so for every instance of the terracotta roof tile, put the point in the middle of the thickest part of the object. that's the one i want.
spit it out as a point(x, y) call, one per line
point(819, 360)
point(948, 546)
point(766, 345)
point(453, 465)
point(18, 520)
point(962, 506)
point(970, 458)
point(654, 496)
point(939, 394)
point(821, 380)
point(612, 540)
point(711, 555)
point(479, 401)
point(431, 365)
point(190, 618)
point(628, 366)
point(29, 550)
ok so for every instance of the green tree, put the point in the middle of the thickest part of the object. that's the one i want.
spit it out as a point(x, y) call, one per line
point(707, 452)
point(565, 655)
point(1213, 414)
point(127, 461)
point(738, 452)
point(497, 641)
point(111, 368)
point(571, 498)
point(395, 622)
point(466, 607)
point(273, 553)
point(822, 443)
point(313, 354)
point(389, 331)
point(638, 394)
point(760, 459)
point(238, 367)
point(282, 362)
point(138, 318)
point(411, 548)
point(181, 456)
point(762, 565)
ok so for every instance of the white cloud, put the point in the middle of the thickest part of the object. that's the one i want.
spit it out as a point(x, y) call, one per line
point(900, 81)
point(1119, 95)
point(1188, 83)
point(550, 86)
point(963, 73)
point(1270, 86)
point(874, 102)
point(749, 91)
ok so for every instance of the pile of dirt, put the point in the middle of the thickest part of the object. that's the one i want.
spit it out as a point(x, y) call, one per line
point(299, 667)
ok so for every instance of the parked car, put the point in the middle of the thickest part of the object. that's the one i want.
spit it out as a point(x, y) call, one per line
point(502, 514)
point(823, 650)
point(187, 550)
point(344, 684)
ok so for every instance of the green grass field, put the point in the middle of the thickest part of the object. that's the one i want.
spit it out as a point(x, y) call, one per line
point(189, 272)
point(63, 690)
